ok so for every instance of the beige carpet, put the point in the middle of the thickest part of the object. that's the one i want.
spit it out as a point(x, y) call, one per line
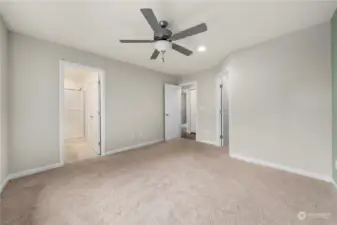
point(177, 183)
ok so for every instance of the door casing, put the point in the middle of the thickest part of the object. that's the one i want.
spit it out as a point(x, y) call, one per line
point(195, 85)
point(63, 64)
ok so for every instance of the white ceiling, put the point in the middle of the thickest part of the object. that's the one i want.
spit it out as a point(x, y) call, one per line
point(97, 27)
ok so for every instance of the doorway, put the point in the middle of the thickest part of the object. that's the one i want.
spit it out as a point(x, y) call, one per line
point(189, 111)
point(181, 111)
point(81, 112)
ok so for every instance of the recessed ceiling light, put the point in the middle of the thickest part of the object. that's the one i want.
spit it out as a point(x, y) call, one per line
point(201, 48)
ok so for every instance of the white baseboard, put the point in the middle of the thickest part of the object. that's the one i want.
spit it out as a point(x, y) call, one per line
point(3, 184)
point(33, 171)
point(57, 165)
point(282, 167)
point(334, 183)
point(110, 152)
point(208, 142)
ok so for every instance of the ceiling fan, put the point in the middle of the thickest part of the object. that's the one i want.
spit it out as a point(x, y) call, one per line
point(163, 37)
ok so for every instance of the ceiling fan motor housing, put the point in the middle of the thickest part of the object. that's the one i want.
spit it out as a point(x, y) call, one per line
point(165, 33)
point(163, 23)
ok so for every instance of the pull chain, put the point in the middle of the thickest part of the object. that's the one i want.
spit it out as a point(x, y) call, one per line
point(162, 56)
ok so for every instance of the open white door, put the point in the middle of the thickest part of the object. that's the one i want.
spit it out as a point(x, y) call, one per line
point(93, 114)
point(224, 112)
point(172, 111)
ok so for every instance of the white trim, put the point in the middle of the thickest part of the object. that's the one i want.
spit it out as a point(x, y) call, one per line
point(334, 183)
point(57, 165)
point(62, 65)
point(208, 142)
point(3, 185)
point(33, 171)
point(27, 173)
point(195, 84)
point(282, 167)
point(110, 152)
point(218, 108)
point(188, 110)
point(61, 109)
point(219, 81)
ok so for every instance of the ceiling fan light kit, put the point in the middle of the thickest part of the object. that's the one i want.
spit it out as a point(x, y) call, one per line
point(162, 45)
point(163, 37)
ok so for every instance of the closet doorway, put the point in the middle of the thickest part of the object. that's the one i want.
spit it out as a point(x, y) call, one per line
point(81, 112)
point(189, 110)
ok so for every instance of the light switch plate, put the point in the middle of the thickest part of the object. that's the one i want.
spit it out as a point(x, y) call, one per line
point(336, 164)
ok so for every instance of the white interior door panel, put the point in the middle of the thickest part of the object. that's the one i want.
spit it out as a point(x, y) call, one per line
point(172, 111)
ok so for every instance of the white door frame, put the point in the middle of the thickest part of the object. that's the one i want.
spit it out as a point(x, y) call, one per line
point(195, 109)
point(195, 84)
point(219, 81)
point(62, 65)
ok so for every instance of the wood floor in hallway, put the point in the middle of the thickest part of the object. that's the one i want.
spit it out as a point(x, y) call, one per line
point(77, 149)
point(180, 182)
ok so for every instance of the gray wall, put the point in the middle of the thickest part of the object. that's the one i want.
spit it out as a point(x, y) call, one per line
point(281, 108)
point(134, 97)
point(3, 102)
point(280, 101)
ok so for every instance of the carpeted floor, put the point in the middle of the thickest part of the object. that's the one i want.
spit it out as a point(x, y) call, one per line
point(181, 182)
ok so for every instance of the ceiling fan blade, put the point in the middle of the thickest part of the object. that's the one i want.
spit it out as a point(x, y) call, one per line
point(189, 32)
point(151, 19)
point(155, 54)
point(136, 41)
point(181, 49)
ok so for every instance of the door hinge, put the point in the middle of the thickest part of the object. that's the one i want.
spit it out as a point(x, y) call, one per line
point(221, 85)
point(99, 143)
point(221, 136)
